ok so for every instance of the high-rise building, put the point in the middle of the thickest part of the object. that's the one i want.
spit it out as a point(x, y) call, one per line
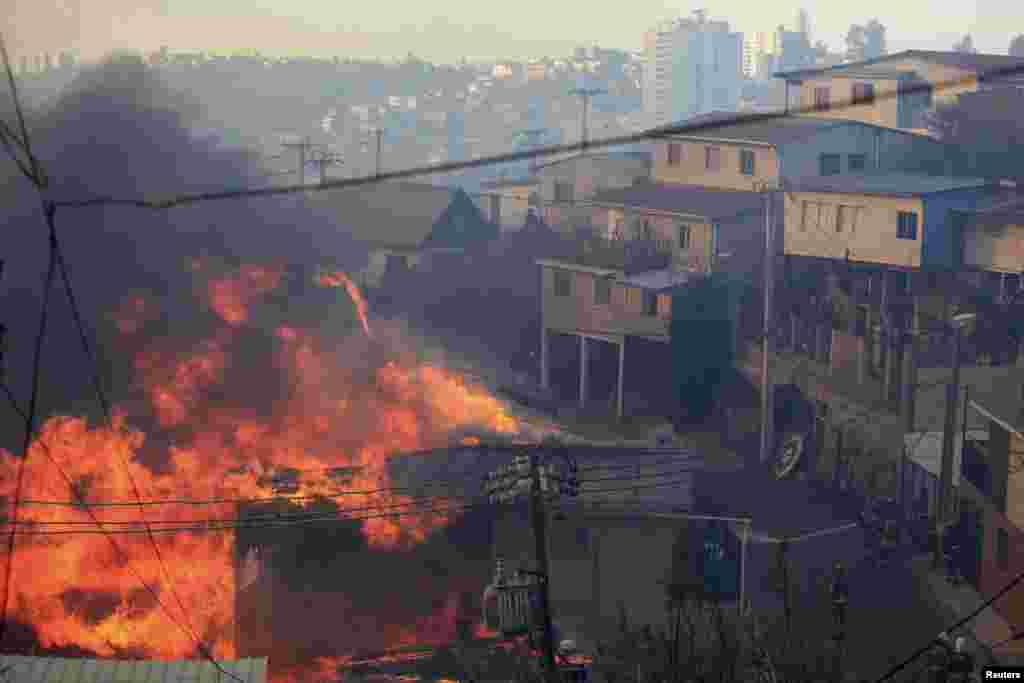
point(792, 50)
point(692, 67)
point(755, 47)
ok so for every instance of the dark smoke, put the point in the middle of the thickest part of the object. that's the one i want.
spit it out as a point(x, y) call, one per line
point(119, 130)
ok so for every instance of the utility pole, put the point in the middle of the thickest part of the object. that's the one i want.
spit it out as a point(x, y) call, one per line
point(379, 133)
point(948, 435)
point(767, 416)
point(585, 94)
point(323, 160)
point(303, 147)
point(533, 137)
point(538, 520)
point(538, 480)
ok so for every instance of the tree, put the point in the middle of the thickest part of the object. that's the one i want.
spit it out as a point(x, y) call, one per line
point(1017, 46)
point(985, 132)
point(965, 45)
point(856, 43)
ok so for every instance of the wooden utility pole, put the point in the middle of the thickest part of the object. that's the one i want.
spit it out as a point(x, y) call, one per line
point(585, 94)
point(948, 445)
point(323, 160)
point(302, 147)
point(538, 519)
point(767, 416)
point(380, 135)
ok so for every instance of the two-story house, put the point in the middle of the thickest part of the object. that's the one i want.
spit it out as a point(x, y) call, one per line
point(898, 89)
point(723, 151)
point(566, 182)
point(870, 263)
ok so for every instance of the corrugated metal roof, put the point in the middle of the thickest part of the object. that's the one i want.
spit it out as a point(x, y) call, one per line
point(984, 64)
point(694, 200)
point(887, 184)
point(64, 670)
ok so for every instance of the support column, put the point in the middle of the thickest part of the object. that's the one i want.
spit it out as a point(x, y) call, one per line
point(622, 378)
point(794, 327)
point(583, 371)
point(545, 363)
point(865, 350)
point(910, 367)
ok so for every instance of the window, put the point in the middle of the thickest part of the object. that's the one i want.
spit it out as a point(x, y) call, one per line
point(857, 162)
point(602, 291)
point(805, 210)
point(396, 263)
point(684, 236)
point(906, 225)
point(675, 153)
point(842, 217)
point(822, 99)
point(747, 162)
point(1003, 549)
point(863, 93)
point(563, 191)
point(712, 158)
point(650, 303)
point(583, 537)
point(563, 283)
point(830, 164)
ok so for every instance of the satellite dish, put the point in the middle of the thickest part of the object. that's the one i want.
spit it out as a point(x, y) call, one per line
point(789, 457)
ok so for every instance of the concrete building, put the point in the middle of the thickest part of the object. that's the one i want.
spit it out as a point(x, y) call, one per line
point(693, 66)
point(755, 47)
point(897, 90)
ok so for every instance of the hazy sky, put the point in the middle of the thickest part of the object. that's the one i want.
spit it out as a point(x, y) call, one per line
point(448, 29)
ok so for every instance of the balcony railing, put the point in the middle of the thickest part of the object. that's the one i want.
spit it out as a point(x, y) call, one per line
point(627, 255)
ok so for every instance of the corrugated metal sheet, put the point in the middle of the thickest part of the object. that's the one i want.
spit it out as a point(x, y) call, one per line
point(58, 670)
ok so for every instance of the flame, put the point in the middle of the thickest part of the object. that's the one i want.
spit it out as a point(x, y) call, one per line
point(76, 589)
point(338, 279)
point(232, 296)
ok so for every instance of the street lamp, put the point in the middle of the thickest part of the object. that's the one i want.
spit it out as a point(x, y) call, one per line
point(956, 324)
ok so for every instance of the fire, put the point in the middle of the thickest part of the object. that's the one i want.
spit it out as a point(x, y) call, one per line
point(338, 279)
point(208, 444)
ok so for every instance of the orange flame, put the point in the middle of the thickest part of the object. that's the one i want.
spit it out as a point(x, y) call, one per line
point(339, 279)
point(75, 589)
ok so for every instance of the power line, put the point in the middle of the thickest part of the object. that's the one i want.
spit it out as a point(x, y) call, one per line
point(39, 179)
point(549, 151)
point(926, 648)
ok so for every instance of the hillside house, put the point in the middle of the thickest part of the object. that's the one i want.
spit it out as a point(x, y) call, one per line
point(897, 90)
point(722, 153)
point(407, 226)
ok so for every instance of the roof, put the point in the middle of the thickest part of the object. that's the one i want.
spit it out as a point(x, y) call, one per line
point(393, 214)
point(661, 280)
point(983, 64)
point(886, 184)
point(509, 182)
point(389, 214)
point(59, 670)
point(693, 200)
point(768, 128)
point(611, 156)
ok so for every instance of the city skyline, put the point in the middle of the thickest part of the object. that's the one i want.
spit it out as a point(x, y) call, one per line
point(452, 30)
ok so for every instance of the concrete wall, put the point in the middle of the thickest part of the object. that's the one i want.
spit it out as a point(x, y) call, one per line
point(995, 247)
point(872, 237)
point(624, 315)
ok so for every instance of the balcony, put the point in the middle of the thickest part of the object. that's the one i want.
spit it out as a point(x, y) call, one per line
point(628, 256)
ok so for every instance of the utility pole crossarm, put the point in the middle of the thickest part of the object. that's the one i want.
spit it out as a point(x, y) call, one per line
point(585, 94)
